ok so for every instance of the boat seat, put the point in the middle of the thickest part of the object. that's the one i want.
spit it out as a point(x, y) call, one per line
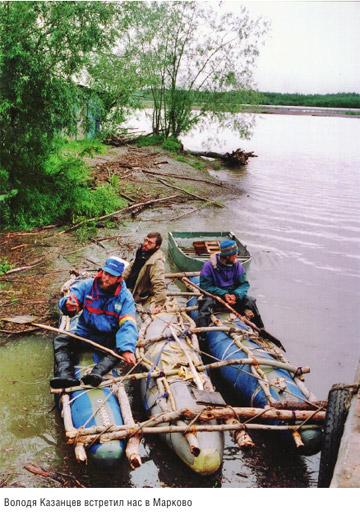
point(206, 247)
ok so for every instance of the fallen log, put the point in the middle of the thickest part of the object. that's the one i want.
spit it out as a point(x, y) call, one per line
point(236, 158)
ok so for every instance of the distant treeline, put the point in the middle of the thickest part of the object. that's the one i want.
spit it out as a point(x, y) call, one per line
point(340, 100)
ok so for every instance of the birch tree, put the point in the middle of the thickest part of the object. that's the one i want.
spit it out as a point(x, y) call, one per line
point(191, 54)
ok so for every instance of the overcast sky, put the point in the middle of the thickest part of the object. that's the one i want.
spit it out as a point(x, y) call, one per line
point(313, 47)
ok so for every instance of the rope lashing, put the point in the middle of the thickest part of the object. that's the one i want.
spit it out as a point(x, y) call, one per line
point(150, 372)
point(352, 388)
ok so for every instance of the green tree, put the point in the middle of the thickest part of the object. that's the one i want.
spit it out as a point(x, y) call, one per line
point(44, 49)
point(188, 52)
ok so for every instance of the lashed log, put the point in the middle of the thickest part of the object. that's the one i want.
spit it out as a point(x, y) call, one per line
point(223, 413)
point(261, 331)
point(241, 437)
point(126, 431)
point(132, 449)
point(294, 405)
point(200, 368)
point(79, 447)
point(179, 275)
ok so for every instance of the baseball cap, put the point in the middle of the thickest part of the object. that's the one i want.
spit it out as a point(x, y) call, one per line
point(114, 266)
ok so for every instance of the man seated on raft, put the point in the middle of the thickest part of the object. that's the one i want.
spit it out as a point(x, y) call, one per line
point(145, 276)
point(106, 312)
point(224, 277)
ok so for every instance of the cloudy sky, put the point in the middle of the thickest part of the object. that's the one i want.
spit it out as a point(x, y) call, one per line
point(313, 47)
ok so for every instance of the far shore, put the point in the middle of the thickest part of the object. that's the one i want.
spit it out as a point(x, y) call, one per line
point(290, 110)
point(303, 110)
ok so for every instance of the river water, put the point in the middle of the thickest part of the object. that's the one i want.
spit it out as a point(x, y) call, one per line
point(298, 214)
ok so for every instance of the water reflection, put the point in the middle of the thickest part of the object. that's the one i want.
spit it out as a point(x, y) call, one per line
point(297, 207)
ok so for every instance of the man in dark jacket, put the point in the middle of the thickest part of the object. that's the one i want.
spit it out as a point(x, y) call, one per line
point(224, 277)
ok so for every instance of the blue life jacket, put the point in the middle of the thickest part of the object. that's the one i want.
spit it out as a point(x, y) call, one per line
point(107, 320)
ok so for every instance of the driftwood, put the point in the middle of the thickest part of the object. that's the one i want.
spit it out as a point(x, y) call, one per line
point(169, 185)
point(119, 140)
point(183, 177)
point(236, 158)
point(123, 210)
point(60, 477)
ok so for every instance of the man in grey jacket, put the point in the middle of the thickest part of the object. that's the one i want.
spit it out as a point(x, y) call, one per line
point(145, 276)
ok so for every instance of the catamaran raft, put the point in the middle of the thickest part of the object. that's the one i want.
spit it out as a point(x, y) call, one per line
point(179, 397)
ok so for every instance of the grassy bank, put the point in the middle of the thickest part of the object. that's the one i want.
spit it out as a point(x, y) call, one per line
point(71, 187)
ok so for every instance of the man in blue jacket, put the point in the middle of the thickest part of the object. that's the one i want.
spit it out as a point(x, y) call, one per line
point(224, 277)
point(102, 310)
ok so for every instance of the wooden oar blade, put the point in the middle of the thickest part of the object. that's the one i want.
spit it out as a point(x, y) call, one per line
point(21, 319)
point(273, 339)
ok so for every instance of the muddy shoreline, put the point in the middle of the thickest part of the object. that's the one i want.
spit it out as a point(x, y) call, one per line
point(305, 111)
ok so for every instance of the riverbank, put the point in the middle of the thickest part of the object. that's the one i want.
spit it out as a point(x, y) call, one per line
point(303, 111)
point(338, 112)
point(155, 185)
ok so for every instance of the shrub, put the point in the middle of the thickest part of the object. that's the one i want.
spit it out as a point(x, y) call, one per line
point(59, 192)
point(170, 144)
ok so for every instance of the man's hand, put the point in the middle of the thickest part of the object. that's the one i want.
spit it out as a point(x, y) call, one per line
point(230, 298)
point(129, 357)
point(71, 304)
point(155, 310)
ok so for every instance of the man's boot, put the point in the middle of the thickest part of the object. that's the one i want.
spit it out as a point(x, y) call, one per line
point(104, 366)
point(66, 372)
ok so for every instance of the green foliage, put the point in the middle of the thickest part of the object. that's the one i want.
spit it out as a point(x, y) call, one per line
point(170, 144)
point(4, 266)
point(43, 45)
point(85, 147)
point(105, 199)
point(340, 100)
point(149, 141)
point(61, 193)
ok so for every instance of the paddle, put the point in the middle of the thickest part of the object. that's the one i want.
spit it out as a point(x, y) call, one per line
point(262, 332)
point(28, 319)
